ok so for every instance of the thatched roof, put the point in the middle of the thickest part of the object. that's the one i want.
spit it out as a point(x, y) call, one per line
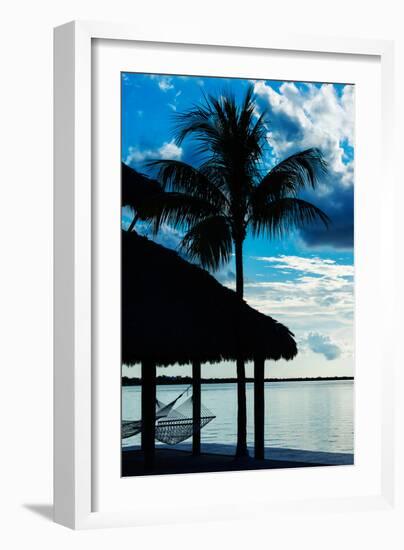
point(175, 312)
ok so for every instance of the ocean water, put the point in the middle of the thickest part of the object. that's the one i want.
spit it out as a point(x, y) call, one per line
point(313, 416)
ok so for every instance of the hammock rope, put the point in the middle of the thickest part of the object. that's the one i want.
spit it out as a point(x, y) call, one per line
point(173, 425)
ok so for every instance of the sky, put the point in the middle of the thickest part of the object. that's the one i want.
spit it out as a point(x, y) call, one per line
point(305, 280)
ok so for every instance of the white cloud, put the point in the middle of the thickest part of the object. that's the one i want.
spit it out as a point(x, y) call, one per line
point(320, 343)
point(165, 84)
point(307, 116)
point(169, 150)
point(311, 117)
point(316, 266)
point(315, 295)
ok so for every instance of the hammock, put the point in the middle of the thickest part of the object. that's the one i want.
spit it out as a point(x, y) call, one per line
point(172, 425)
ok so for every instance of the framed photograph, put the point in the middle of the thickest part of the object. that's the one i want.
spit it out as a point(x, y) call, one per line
point(220, 275)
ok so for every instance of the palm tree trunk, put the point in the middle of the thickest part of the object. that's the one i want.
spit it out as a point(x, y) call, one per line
point(196, 407)
point(241, 386)
point(259, 407)
point(148, 413)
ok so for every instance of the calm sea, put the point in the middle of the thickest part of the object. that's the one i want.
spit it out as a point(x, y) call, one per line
point(315, 416)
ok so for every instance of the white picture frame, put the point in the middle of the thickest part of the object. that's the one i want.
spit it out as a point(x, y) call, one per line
point(74, 391)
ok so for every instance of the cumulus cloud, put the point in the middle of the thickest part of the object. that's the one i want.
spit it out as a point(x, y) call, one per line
point(169, 150)
point(165, 84)
point(308, 292)
point(311, 116)
point(320, 343)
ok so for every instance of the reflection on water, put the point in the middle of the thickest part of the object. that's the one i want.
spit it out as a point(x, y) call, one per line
point(316, 416)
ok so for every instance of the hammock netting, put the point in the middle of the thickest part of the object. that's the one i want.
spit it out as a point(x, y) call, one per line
point(173, 425)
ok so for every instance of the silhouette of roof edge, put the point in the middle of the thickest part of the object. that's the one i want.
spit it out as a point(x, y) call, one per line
point(174, 311)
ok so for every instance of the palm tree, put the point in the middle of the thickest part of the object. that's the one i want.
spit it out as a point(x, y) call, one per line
point(217, 202)
point(137, 192)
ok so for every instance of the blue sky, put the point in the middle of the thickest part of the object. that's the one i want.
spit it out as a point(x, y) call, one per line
point(305, 280)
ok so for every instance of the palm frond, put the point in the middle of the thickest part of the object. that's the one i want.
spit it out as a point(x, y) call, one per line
point(247, 108)
point(178, 176)
point(137, 189)
point(279, 217)
point(209, 242)
point(180, 210)
point(220, 198)
point(256, 136)
point(199, 122)
point(224, 130)
point(299, 171)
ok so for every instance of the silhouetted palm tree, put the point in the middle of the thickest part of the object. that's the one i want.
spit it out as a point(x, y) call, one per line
point(138, 191)
point(227, 194)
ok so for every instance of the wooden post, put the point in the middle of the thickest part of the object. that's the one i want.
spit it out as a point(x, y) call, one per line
point(148, 413)
point(142, 404)
point(196, 407)
point(259, 408)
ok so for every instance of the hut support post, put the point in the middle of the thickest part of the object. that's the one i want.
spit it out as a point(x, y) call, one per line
point(241, 449)
point(259, 408)
point(196, 407)
point(148, 413)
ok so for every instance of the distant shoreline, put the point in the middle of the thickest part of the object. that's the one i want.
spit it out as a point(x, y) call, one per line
point(172, 380)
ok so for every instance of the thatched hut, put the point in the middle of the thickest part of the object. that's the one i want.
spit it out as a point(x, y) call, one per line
point(175, 312)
